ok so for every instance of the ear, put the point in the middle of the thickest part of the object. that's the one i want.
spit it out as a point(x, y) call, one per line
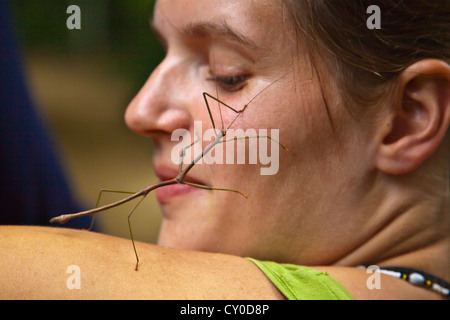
point(420, 119)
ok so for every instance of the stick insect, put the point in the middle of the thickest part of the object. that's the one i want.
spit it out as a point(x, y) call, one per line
point(182, 172)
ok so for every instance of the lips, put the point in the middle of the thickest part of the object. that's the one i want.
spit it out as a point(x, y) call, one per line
point(174, 191)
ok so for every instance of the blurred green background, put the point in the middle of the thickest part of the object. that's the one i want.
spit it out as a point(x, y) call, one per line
point(81, 82)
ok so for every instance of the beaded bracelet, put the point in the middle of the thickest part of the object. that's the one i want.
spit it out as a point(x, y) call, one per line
point(417, 278)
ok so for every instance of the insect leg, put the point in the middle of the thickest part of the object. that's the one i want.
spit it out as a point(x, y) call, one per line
point(98, 201)
point(201, 186)
point(257, 137)
point(131, 232)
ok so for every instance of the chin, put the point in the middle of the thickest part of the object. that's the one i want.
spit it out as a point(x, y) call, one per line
point(183, 236)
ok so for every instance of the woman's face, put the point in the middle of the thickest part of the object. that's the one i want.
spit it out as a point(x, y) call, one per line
point(244, 53)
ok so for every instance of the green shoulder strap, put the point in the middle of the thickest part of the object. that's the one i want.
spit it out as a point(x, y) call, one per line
point(302, 283)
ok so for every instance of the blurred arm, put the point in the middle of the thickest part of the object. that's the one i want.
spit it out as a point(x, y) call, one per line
point(35, 260)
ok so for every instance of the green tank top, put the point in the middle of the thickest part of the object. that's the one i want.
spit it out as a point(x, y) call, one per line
point(302, 283)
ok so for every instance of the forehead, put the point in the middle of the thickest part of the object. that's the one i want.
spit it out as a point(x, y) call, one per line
point(260, 21)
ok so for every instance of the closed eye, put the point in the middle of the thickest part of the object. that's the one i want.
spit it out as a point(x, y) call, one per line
point(229, 83)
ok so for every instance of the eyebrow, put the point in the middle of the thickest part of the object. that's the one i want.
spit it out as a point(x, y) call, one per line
point(220, 30)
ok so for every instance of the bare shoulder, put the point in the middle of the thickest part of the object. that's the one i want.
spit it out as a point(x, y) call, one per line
point(365, 285)
point(36, 264)
point(36, 261)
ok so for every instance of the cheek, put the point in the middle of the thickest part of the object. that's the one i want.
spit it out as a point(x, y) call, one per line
point(300, 116)
point(306, 130)
point(297, 121)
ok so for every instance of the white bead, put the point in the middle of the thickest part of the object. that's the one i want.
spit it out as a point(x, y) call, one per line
point(416, 279)
point(440, 289)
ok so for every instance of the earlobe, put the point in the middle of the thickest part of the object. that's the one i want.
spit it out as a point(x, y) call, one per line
point(420, 121)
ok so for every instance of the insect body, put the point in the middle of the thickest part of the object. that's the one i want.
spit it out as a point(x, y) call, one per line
point(180, 178)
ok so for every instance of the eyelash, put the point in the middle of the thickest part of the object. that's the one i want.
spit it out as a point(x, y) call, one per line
point(229, 83)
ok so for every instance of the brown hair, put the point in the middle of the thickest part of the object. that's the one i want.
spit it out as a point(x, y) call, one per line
point(367, 60)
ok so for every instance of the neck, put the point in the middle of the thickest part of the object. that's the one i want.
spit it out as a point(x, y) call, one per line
point(407, 227)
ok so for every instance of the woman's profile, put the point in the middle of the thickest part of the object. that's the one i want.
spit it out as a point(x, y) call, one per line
point(365, 114)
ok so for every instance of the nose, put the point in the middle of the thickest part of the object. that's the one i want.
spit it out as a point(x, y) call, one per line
point(158, 109)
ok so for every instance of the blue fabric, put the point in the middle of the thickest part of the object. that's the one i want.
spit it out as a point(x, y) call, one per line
point(32, 184)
